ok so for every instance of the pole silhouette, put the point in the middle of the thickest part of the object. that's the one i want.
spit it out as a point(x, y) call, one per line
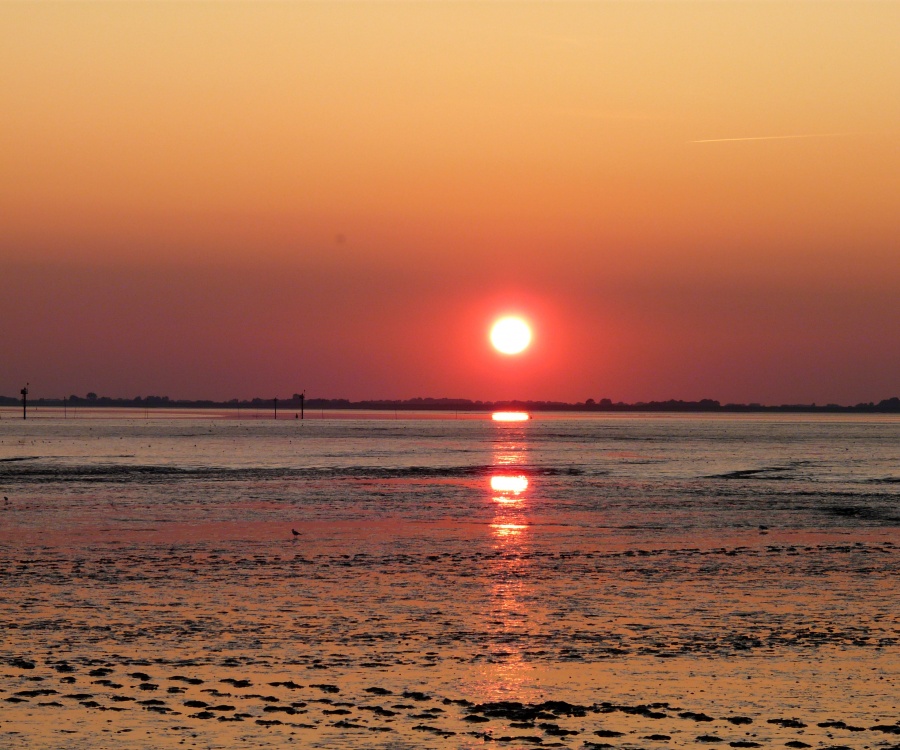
point(24, 393)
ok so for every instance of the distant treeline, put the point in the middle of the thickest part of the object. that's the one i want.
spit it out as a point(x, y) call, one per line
point(887, 406)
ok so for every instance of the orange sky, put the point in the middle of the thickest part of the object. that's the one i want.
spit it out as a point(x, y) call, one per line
point(252, 199)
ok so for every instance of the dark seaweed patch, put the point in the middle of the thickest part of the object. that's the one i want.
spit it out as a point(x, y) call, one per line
point(862, 512)
point(119, 473)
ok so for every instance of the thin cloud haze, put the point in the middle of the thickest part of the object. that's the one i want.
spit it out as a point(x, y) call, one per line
point(776, 137)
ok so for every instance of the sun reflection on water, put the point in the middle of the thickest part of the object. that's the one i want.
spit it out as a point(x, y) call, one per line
point(506, 674)
point(514, 485)
point(510, 416)
point(508, 529)
point(508, 493)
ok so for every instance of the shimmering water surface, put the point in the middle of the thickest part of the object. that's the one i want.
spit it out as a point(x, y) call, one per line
point(627, 581)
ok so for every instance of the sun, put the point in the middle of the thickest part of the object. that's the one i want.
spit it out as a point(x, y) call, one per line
point(510, 335)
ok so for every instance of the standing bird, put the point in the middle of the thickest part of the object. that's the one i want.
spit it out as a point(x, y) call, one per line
point(295, 532)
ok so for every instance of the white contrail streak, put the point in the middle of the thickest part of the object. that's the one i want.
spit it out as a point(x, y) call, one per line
point(774, 137)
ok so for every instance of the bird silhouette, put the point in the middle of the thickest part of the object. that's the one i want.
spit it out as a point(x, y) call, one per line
point(295, 532)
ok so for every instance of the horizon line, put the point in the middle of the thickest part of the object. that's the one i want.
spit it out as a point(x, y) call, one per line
point(439, 404)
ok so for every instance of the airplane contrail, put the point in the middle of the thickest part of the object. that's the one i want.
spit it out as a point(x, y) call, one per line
point(774, 137)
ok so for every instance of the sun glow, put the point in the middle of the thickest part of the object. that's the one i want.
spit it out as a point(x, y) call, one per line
point(510, 335)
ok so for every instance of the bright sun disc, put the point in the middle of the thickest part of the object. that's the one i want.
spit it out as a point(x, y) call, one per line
point(510, 335)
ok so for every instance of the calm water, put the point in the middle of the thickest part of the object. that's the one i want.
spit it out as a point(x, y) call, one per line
point(727, 565)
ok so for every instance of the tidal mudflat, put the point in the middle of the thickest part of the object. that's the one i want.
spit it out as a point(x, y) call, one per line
point(639, 582)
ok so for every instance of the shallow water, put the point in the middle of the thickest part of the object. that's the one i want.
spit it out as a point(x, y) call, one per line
point(723, 566)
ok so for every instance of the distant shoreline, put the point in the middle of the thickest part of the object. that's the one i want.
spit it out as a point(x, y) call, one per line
point(886, 406)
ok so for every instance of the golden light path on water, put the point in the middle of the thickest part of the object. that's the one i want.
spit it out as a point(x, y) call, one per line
point(508, 676)
point(510, 416)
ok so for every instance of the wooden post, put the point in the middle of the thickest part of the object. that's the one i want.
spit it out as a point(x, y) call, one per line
point(24, 393)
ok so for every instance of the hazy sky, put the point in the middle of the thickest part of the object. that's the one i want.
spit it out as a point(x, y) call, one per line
point(224, 200)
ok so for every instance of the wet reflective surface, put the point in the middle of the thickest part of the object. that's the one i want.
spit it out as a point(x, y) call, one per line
point(555, 582)
point(510, 416)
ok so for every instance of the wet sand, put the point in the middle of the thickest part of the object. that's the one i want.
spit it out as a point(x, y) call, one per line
point(155, 703)
point(130, 645)
point(707, 601)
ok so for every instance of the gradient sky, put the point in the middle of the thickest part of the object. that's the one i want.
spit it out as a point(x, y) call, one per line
point(688, 200)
